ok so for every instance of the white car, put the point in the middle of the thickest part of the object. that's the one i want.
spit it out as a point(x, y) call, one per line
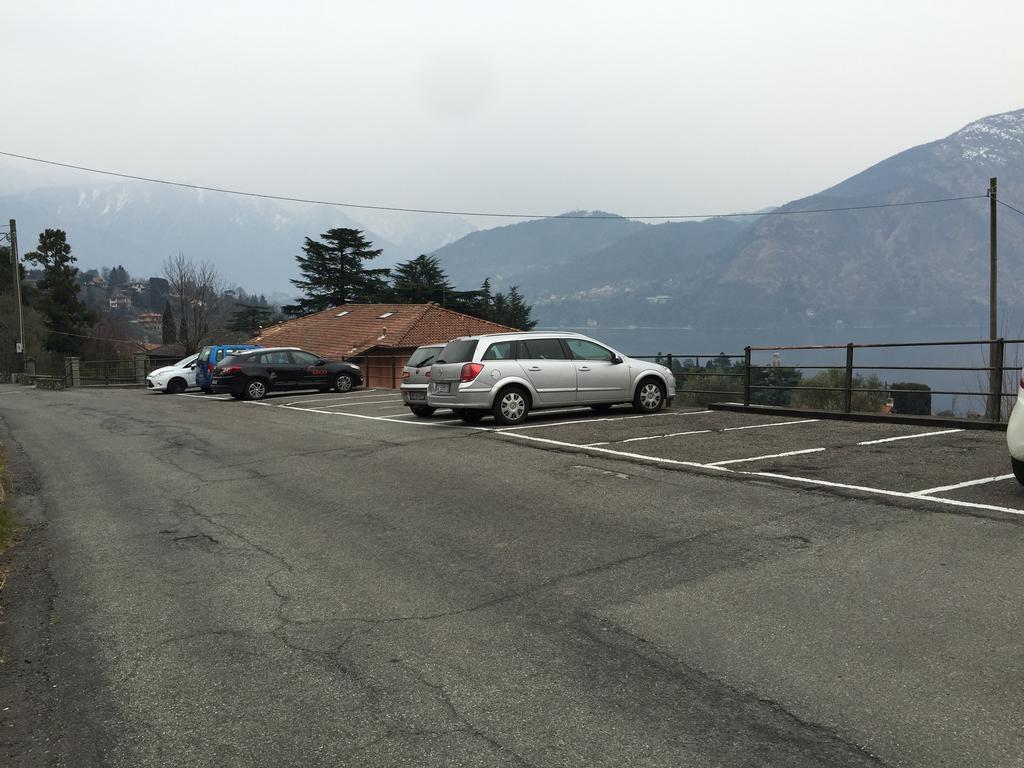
point(1015, 433)
point(173, 379)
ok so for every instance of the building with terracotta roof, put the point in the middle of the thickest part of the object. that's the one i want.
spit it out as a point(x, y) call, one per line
point(380, 337)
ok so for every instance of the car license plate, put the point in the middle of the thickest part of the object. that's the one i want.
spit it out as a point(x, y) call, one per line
point(439, 387)
point(417, 395)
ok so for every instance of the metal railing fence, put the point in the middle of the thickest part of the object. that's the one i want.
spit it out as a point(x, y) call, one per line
point(852, 383)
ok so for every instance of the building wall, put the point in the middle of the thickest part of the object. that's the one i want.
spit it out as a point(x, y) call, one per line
point(383, 368)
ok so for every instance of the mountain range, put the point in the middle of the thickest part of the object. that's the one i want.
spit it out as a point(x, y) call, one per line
point(906, 263)
point(876, 254)
point(251, 241)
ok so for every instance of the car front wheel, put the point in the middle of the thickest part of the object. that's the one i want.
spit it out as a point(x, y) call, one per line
point(256, 389)
point(343, 383)
point(176, 386)
point(511, 406)
point(649, 397)
point(1018, 469)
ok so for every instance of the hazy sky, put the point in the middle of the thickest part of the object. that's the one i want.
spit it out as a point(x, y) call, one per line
point(537, 107)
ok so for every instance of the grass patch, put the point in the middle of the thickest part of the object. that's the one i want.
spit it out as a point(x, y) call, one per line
point(6, 520)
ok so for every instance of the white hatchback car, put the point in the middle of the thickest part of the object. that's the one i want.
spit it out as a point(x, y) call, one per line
point(1015, 433)
point(174, 379)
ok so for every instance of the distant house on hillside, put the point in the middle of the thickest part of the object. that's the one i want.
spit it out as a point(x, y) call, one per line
point(380, 337)
point(120, 301)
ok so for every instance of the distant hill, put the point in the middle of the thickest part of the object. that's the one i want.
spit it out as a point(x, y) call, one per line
point(909, 264)
point(896, 265)
point(513, 253)
point(252, 242)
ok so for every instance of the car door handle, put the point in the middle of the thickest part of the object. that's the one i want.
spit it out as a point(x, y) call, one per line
point(583, 368)
point(534, 368)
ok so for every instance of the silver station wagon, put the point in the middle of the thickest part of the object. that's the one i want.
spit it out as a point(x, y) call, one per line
point(509, 374)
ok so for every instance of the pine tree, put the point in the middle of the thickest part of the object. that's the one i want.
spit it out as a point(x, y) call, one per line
point(518, 311)
point(483, 303)
point(333, 272)
point(118, 276)
point(499, 310)
point(249, 318)
point(169, 333)
point(422, 280)
point(66, 315)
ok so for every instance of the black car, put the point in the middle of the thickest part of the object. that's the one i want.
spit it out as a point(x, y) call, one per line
point(251, 375)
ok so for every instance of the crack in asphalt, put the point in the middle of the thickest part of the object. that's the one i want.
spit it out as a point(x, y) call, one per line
point(676, 667)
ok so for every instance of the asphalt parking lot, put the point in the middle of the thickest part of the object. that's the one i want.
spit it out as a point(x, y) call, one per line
point(947, 468)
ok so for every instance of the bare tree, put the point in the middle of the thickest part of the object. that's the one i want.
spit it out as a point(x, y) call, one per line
point(195, 289)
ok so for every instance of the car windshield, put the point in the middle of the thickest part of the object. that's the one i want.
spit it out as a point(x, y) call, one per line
point(186, 361)
point(231, 360)
point(458, 351)
point(423, 356)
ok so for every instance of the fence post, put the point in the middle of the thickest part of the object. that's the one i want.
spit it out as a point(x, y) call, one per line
point(995, 401)
point(140, 368)
point(746, 375)
point(848, 392)
point(73, 371)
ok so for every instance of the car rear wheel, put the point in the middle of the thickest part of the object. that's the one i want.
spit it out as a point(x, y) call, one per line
point(1018, 469)
point(256, 389)
point(207, 390)
point(423, 410)
point(176, 386)
point(649, 397)
point(511, 406)
point(343, 383)
point(469, 416)
point(237, 395)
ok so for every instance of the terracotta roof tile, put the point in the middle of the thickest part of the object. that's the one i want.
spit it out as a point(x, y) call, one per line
point(361, 327)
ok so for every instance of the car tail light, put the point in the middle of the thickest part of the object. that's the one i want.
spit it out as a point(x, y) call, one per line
point(230, 369)
point(427, 374)
point(405, 374)
point(209, 367)
point(1022, 377)
point(471, 370)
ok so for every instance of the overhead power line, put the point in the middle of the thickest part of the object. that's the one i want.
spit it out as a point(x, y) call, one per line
point(492, 214)
point(1003, 202)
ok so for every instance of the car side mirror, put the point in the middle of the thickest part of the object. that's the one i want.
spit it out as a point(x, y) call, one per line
point(319, 363)
point(192, 367)
point(616, 359)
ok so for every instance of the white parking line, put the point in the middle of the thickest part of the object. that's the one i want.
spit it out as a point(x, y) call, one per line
point(205, 397)
point(768, 456)
point(671, 434)
point(595, 449)
point(357, 402)
point(385, 419)
point(910, 437)
point(773, 424)
point(969, 483)
point(346, 395)
point(343, 397)
point(883, 492)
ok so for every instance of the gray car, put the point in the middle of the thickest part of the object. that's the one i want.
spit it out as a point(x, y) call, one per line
point(416, 377)
point(507, 375)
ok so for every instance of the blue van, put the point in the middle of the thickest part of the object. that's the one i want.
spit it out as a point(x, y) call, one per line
point(210, 356)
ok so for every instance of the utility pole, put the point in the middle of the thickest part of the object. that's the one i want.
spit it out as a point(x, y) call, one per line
point(16, 264)
point(996, 377)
